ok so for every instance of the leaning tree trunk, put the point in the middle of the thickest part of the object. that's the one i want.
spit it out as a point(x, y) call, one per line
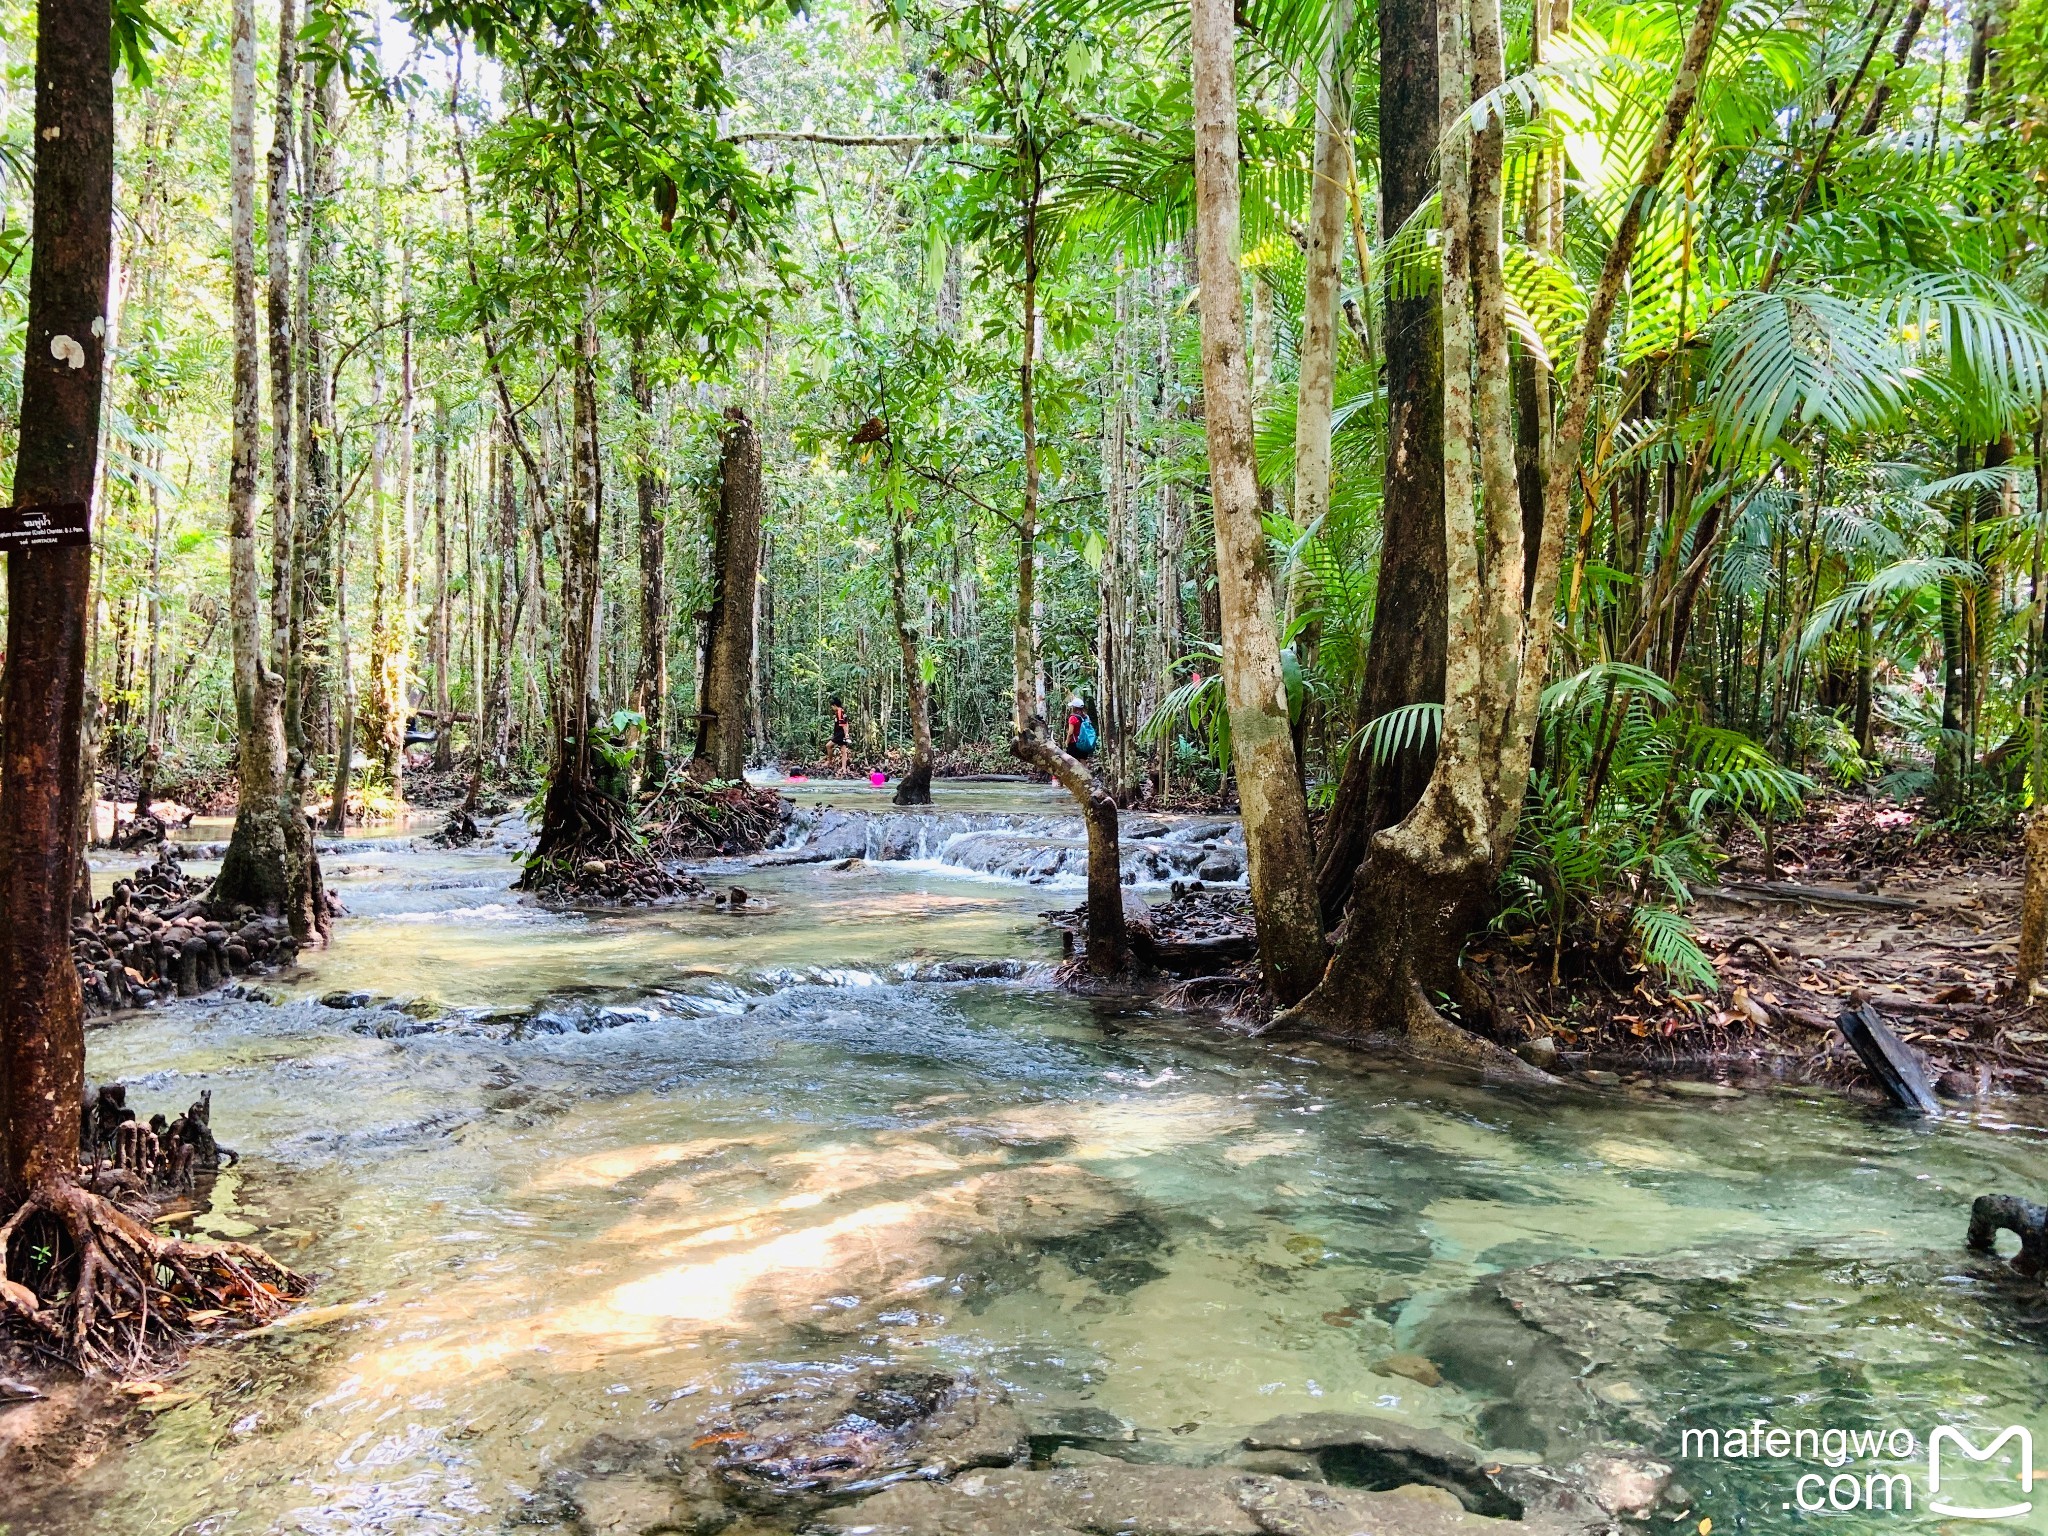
point(42, 1024)
point(1109, 945)
point(1269, 789)
point(269, 864)
point(650, 687)
point(1404, 659)
point(915, 788)
point(722, 722)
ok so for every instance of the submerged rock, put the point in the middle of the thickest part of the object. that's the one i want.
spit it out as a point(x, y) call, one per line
point(826, 1436)
point(1359, 1450)
point(623, 1487)
point(1119, 1499)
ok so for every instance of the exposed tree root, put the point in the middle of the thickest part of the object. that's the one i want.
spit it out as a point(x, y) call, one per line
point(686, 818)
point(591, 850)
point(93, 1287)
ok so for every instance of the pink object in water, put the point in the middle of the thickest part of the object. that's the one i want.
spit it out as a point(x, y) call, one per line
point(878, 778)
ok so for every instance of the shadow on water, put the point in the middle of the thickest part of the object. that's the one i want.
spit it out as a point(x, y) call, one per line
point(752, 1147)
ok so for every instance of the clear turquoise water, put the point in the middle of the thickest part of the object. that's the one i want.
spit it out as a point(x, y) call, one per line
point(782, 1152)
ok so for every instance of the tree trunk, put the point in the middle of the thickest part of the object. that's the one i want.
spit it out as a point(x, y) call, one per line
point(314, 534)
point(1404, 659)
point(508, 603)
point(916, 785)
point(1109, 952)
point(1262, 746)
point(42, 1033)
point(283, 390)
point(405, 596)
point(1329, 195)
point(1117, 714)
point(269, 864)
point(441, 640)
point(2033, 952)
point(650, 689)
point(573, 821)
point(345, 682)
point(1428, 881)
point(722, 724)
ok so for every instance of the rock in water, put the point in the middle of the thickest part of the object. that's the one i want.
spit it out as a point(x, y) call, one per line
point(824, 1437)
point(1419, 1369)
point(1365, 1451)
point(2023, 1218)
point(1117, 1499)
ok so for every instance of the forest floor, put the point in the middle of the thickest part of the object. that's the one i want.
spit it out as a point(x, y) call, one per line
point(1862, 901)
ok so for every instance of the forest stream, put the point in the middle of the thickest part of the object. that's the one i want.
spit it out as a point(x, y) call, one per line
point(608, 1171)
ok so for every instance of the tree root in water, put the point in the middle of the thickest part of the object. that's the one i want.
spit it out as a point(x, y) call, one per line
point(90, 1286)
point(596, 854)
point(158, 936)
point(686, 818)
point(87, 1283)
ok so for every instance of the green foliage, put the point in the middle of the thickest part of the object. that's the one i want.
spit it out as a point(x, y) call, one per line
point(1618, 825)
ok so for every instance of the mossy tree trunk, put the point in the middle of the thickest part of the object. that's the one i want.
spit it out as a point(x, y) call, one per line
point(1427, 882)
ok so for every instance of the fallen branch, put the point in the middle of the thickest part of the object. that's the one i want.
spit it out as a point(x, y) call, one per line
point(1820, 895)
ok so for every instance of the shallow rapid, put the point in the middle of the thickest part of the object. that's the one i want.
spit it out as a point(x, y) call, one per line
point(562, 1177)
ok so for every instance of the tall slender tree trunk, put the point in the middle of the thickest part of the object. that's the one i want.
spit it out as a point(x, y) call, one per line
point(508, 604)
point(440, 638)
point(283, 359)
point(42, 1026)
point(405, 594)
point(650, 689)
point(1261, 743)
point(1404, 660)
point(345, 682)
point(722, 721)
point(1109, 952)
point(915, 787)
point(1117, 664)
point(1329, 197)
point(314, 536)
point(269, 864)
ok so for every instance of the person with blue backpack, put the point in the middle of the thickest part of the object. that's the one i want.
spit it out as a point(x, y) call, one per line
point(1081, 736)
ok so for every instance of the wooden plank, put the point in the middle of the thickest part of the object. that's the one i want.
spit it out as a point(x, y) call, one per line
point(1891, 1061)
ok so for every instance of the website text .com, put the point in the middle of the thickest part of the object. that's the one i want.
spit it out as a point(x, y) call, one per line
point(1851, 1483)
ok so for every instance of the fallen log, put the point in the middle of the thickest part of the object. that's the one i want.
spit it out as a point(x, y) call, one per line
point(1819, 895)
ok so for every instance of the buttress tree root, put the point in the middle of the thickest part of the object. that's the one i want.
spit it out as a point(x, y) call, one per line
point(591, 850)
point(86, 1282)
point(95, 1288)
